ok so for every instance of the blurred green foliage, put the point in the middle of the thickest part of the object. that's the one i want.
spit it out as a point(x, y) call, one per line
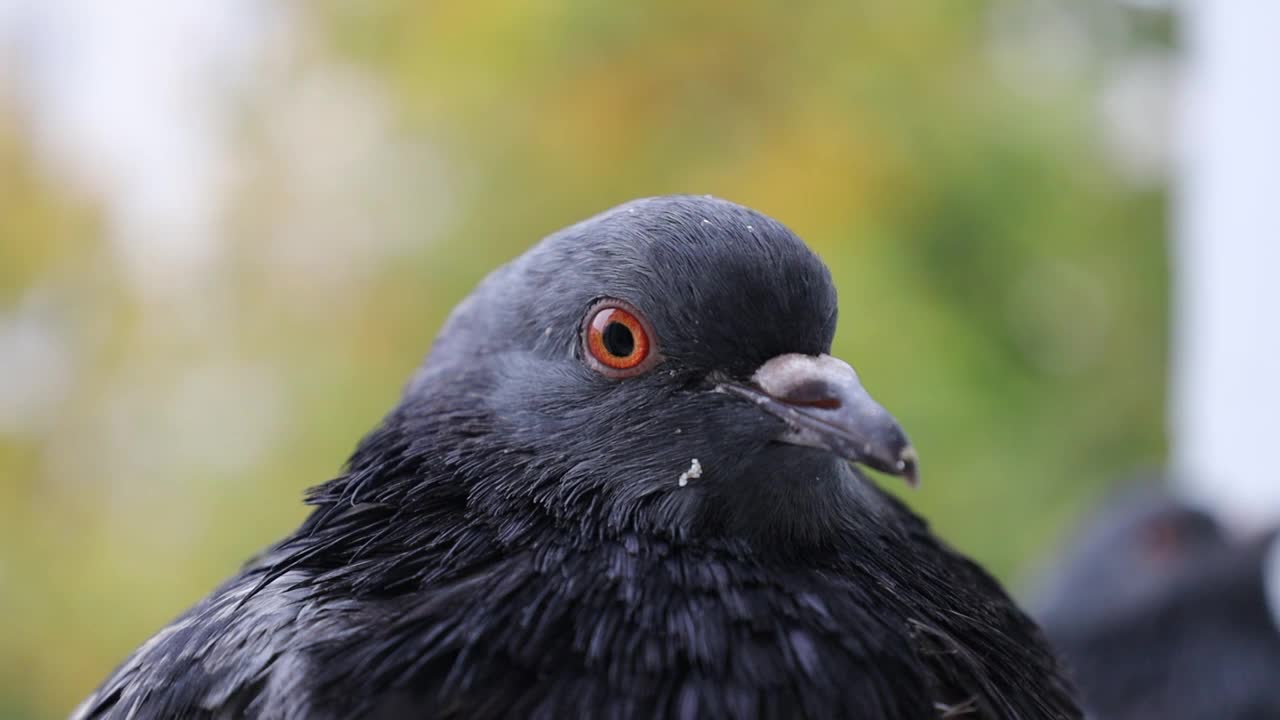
point(1003, 290)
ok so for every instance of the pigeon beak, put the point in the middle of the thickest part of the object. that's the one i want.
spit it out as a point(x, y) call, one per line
point(825, 407)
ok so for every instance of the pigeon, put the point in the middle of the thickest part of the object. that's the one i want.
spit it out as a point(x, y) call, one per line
point(1159, 612)
point(627, 482)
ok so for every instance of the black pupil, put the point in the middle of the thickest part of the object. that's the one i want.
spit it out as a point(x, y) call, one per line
point(618, 340)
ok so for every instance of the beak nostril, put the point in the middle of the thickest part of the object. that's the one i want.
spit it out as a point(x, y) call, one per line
point(814, 393)
point(828, 403)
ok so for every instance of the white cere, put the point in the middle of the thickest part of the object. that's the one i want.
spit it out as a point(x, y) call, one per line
point(694, 471)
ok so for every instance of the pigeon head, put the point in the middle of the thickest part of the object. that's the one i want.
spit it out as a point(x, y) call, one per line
point(1140, 545)
point(662, 367)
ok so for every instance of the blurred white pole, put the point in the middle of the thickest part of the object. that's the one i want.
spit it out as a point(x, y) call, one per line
point(1226, 349)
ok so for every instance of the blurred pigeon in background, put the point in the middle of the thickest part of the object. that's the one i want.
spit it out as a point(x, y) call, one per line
point(1159, 612)
point(622, 485)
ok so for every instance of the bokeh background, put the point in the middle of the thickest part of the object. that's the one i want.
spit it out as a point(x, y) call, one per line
point(229, 231)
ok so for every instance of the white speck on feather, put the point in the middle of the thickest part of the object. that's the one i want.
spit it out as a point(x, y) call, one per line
point(547, 332)
point(678, 431)
point(694, 471)
point(706, 221)
point(750, 229)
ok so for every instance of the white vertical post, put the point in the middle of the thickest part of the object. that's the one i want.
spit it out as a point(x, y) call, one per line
point(1226, 347)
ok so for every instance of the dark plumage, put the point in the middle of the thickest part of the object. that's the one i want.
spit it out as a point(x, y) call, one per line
point(527, 536)
point(1161, 614)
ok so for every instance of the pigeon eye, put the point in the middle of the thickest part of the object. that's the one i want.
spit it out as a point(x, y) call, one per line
point(617, 339)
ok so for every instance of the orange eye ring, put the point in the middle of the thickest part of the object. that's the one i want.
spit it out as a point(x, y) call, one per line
point(617, 340)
